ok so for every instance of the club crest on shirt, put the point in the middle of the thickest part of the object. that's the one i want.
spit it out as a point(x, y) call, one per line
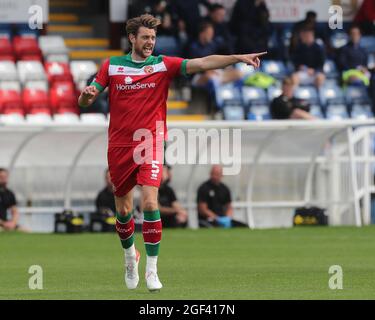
point(128, 80)
point(148, 69)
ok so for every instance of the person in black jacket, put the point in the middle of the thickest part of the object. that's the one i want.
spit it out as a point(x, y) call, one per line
point(308, 59)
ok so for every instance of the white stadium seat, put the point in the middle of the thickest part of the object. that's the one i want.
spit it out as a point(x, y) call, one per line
point(57, 58)
point(14, 118)
point(93, 118)
point(52, 45)
point(30, 70)
point(66, 118)
point(38, 118)
point(8, 70)
point(38, 85)
point(82, 70)
point(10, 85)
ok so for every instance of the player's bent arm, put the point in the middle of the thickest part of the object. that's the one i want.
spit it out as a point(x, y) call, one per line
point(88, 96)
point(221, 61)
point(229, 210)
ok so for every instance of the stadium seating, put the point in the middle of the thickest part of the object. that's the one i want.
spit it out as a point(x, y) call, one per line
point(361, 111)
point(316, 111)
point(368, 42)
point(253, 96)
point(82, 71)
point(63, 98)
point(40, 118)
point(259, 112)
point(330, 94)
point(273, 92)
point(30, 70)
point(167, 45)
point(337, 112)
point(5, 30)
point(93, 118)
point(330, 69)
point(227, 94)
point(274, 68)
point(245, 69)
point(10, 85)
point(356, 95)
point(233, 112)
point(66, 118)
point(11, 102)
point(36, 101)
point(58, 71)
point(339, 39)
point(52, 45)
point(8, 71)
point(26, 48)
point(307, 93)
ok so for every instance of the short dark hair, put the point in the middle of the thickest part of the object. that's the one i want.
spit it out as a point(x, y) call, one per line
point(204, 26)
point(215, 6)
point(311, 14)
point(3, 170)
point(145, 20)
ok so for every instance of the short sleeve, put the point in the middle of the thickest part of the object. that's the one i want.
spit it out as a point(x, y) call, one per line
point(12, 199)
point(102, 78)
point(202, 194)
point(175, 66)
point(228, 196)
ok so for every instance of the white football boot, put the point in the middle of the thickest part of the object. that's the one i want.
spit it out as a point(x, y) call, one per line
point(152, 281)
point(131, 272)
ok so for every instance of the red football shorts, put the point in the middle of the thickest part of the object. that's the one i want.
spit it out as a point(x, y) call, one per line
point(126, 173)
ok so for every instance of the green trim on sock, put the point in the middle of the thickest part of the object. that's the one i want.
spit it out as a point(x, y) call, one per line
point(124, 219)
point(126, 244)
point(152, 249)
point(151, 215)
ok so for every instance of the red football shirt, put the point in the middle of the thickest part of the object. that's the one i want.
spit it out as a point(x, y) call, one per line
point(138, 93)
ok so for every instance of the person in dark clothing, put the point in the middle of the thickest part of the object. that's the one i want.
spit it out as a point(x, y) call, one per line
point(352, 59)
point(8, 202)
point(215, 202)
point(251, 26)
point(308, 60)
point(171, 212)
point(105, 199)
point(223, 36)
point(287, 107)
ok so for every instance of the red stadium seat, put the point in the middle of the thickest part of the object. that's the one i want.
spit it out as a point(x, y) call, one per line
point(31, 57)
point(58, 71)
point(11, 102)
point(63, 98)
point(7, 58)
point(36, 101)
point(6, 47)
point(26, 46)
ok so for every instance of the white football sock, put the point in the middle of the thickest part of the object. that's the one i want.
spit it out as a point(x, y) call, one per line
point(130, 252)
point(151, 264)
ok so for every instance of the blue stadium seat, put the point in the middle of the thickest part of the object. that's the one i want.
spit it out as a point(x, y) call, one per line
point(234, 112)
point(274, 68)
point(368, 42)
point(273, 92)
point(356, 95)
point(308, 93)
point(227, 94)
point(371, 61)
point(339, 39)
point(253, 96)
point(330, 69)
point(361, 111)
point(167, 45)
point(259, 113)
point(337, 112)
point(331, 94)
point(245, 69)
point(316, 111)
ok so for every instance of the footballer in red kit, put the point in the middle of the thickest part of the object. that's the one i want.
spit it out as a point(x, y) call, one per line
point(138, 85)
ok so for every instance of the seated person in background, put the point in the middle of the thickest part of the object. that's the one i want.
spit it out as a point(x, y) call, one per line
point(308, 59)
point(171, 212)
point(223, 36)
point(8, 202)
point(105, 199)
point(288, 107)
point(215, 202)
point(352, 60)
point(207, 45)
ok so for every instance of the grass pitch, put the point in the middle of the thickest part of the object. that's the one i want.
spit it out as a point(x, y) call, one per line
point(202, 264)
